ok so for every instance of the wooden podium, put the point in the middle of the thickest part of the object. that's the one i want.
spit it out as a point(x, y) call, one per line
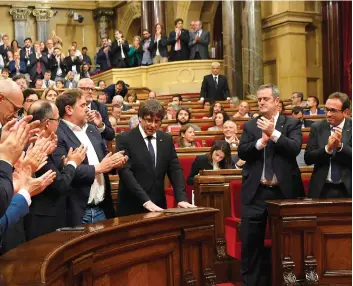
point(153, 249)
point(311, 242)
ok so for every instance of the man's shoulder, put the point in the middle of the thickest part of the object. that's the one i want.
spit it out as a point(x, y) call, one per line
point(161, 134)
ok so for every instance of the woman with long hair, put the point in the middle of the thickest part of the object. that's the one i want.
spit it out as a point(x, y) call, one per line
point(15, 47)
point(135, 52)
point(187, 137)
point(158, 46)
point(219, 157)
point(50, 94)
point(219, 120)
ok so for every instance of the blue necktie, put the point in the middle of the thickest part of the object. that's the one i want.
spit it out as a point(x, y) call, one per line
point(151, 150)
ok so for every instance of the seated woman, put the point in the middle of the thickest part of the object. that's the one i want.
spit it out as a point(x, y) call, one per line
point(230, 133)
point(214, 109)
point(50, 94)
point(131, 98)
point(219, 120)
point(60, 84)
point(187, 137)
point(220, 157)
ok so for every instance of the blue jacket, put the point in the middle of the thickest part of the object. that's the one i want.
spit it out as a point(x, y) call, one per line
point(319, 111)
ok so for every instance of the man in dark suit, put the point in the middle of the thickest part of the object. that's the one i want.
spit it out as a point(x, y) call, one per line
point(199, 42)
point(73, 62)
point(38, 63)
point(26, 51)
point(112, 90)
point(98, 112)
point(269, 145)
point(104, 56)
point(179, 42)
point(48, 209)
point(298, 113)
point(89, 197)
point(119, 51)
point(5, 47)
point(330, 150)
point(56, 65)
point(214, 86)
point(152, 156)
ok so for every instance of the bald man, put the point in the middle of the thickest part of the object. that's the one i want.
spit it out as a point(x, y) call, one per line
point(98, 112)
point(11, 99)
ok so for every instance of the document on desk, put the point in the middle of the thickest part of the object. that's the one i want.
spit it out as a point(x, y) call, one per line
point(182, 210)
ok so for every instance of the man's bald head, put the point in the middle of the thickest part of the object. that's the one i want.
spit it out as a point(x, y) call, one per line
point(12, 92)
point(41, 110)
point(83, 82)
point(87, 86)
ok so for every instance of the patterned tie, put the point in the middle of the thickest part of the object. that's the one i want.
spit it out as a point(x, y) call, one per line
point(151, 150)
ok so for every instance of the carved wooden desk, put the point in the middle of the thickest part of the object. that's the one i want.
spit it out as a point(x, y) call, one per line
point(311, 242)
point(156, 249)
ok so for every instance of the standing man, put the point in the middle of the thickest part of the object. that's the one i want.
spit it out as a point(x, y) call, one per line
point(198, 44)
point(269, 145)
point(179, 42)
point(38, 63)
point(104, 56)
point(330, 149)
point(119, 51)
point(146, 56)
point(152, 156)
point(86, 58)
point(97, 112)
point(215, 86)
point(89, 196)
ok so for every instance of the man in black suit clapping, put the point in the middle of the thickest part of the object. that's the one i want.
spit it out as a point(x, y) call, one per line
point(151, 155)
point(269, 145)
point(179, 42)
point(214, 86)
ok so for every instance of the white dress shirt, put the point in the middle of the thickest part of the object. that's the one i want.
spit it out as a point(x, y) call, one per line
point(259, 146)
point(328, 179)
point(96, 195)
point(153, 141)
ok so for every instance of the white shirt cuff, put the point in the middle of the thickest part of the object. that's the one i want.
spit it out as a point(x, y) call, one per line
point(202, 99)
point(275, 135)
point(146, 203)
point(340, 148)
point(101, 129)
point(327, 150)
point(26, 195)
point(259, 145)
point(72, 163)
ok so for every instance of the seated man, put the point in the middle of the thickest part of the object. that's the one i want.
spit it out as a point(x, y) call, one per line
point(297, 112)
point(183, 117)
point(313, 103)
point(171, 111)
point(243, 111)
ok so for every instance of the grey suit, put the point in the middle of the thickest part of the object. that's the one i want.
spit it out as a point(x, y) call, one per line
point(201, 46)
point(67, 84)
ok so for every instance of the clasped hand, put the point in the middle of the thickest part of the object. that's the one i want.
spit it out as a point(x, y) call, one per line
point(334, 141)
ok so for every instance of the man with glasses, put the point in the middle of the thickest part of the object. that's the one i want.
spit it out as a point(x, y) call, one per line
point(29, 96)
point(152, 156)
point(330, 149)
point(298, 99)
point(97, 112)
point(11, 99)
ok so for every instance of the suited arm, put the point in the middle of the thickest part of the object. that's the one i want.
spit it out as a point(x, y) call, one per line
point(185, 37)
point(175, 175)
point(171, 39)
point(163, 41)
point(17, 209)
point(344, 156)
point(127, 175)
point(313, 154)
point(206, 40)
point(108, 133)
point(114, 47)
point(195, 169)
point(226, 88)
point(290, 145)
point(247, 150)
point(191, 41)
point(126, 47)
point(204, 87)
point(6, 187)
point(23, 68)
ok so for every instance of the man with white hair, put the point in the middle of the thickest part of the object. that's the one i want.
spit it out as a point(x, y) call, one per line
point(215, 86)
point(119, 100)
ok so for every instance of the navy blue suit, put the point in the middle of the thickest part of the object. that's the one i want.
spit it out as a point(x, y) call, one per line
point(6, 187)
point(79, 190)
point(319, 111)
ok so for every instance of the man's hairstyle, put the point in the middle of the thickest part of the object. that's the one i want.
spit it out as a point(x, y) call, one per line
point(116, 106)
point(84, 48)
point(68, 97)
point(27, 92)
point(119, 98)
point(178, 96)
point(178, 20)
point(185, 109)
point(19, 76)
point(28, 39)
point(152, 108)
point(74, 43)
point(100, 81)
point(5, 70)
point(274, 89)
point(41, 110)
point(342, 97)
point(201, 24)
point(48, 71)
point(315, 99)
point(297, 109)
point(299, 94)
point(174, 105)
point(120, 82)
point(215, 64)
point(102, 93)
point(146, 30)
point(132, 120)
point(38, 79)
point(4, 36)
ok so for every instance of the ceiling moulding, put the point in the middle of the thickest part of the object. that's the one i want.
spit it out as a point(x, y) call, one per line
point(82, 5)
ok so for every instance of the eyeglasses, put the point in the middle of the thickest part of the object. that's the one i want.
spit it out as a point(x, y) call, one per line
point(150, 121)
point(55, 119)
point(87, 88)
point(332, 110)
point(30, 100)
point(14, 106)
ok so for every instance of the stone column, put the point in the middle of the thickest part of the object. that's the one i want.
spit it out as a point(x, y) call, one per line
point(20, 15)
point(253, 72)
point(103, 16)
point(158, 13)
point(232, 51)
point(42, 17)
point(146, 15)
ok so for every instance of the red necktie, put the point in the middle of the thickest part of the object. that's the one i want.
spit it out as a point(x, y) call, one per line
point(39, 70)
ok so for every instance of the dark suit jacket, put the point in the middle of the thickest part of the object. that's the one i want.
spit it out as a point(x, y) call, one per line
point(111, 92)
point(108, 133)
point(32, 68)
point(116, 53)
point(16, 210)
point(102, 60)
point(315, 154)
point(209, 90)
point(308, 123)
point(23, 53)
point(48, 209)
point(139, 180)
point(6, 187)
point(285, 165)
point(80, 187)
point(3, 52)
point(201, 46)
point(162, 47)
point(53, 66)
point(184, 44)
point(12, 68)
point(69, 63)
point(87, 59)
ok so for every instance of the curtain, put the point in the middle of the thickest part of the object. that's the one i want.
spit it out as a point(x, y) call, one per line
point(346, 24)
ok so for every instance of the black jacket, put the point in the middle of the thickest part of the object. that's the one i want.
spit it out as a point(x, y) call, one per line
point(140, 181)
point(162, 47)
point(184, 44)
point(102, 60)
point(209, 90)
point(32, 68)
point(116, 53)
point(69, 63)
point(6, 187)
point(315, 154)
